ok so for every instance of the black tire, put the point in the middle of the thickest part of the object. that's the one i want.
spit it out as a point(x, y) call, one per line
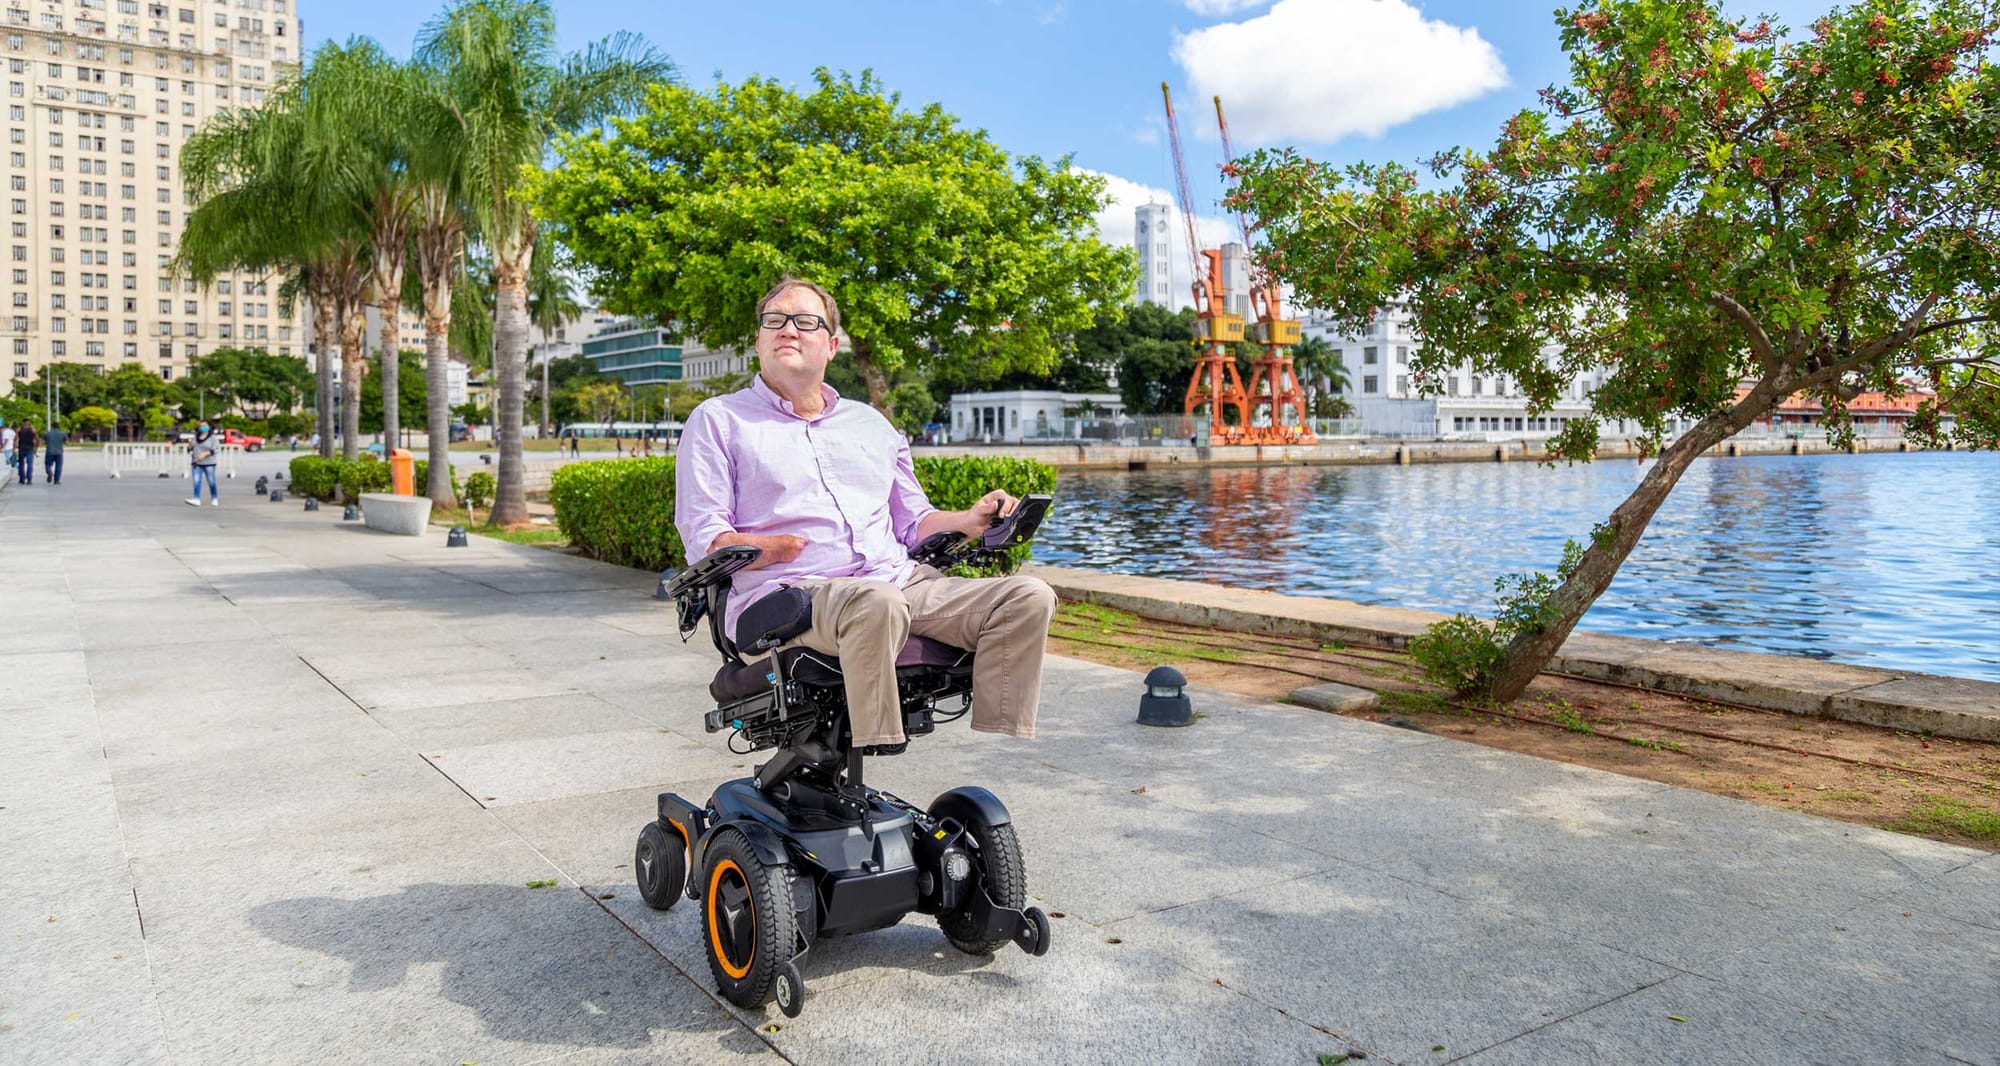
point(998, 866)
point(659, 864)
point(747, 919)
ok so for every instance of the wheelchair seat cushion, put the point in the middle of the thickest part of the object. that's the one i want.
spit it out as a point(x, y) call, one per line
point(736, 681)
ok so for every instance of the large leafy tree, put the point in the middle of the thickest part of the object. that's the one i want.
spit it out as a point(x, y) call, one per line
point(938, 247)
point(1715, 214)
point(511, 90)
point(251, 380)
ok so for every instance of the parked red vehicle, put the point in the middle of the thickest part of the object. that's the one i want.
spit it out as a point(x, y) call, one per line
point(242, 440)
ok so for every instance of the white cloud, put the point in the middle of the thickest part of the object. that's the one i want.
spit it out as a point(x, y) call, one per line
point(1320, 70)
point(1115, 225)
point(1221, 7)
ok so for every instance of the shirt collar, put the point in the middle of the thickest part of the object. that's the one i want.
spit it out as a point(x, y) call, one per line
point(769, 395)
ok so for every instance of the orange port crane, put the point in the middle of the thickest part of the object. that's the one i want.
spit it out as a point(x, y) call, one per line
point(1215, 383)
point(1274, 385)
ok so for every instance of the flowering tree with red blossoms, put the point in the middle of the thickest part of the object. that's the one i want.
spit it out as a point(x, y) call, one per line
point(1715, 214)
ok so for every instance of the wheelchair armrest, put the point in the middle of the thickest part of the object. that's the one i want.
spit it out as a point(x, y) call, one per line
point(713, 569)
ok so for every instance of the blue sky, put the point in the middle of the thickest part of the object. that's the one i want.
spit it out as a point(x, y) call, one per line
point(1341, 79)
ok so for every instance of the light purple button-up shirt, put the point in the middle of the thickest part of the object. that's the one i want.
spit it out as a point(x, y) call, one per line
point(841, 479)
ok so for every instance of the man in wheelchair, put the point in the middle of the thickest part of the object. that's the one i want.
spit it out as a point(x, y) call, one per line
point(823, 487)
point(839, 641)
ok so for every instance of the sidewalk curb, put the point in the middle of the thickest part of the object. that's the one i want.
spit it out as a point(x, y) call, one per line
point(1922, 703)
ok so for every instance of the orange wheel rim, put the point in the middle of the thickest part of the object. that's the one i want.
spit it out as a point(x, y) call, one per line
point(714, 920)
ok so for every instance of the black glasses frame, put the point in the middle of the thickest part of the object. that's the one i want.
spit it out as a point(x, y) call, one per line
point(806, 321)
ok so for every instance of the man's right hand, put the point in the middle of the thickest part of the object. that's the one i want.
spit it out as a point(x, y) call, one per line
point(781, 548)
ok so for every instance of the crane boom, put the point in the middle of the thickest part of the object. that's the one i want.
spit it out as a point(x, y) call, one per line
point(1181, 183)
point(1242, 220)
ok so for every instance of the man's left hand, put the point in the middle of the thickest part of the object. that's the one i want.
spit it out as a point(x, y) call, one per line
point(991, 507)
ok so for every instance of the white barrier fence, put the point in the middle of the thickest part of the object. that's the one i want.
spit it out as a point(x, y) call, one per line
point(163, 460)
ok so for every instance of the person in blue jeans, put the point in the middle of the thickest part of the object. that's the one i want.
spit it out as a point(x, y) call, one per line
point(52, 453)
point(207, 446)
point(24, 453)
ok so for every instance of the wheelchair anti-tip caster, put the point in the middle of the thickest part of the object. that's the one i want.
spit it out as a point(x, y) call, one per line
point(790, 990)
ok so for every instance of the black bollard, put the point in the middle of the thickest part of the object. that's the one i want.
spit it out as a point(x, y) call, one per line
point(456, 538)
point(312, 503)
point(263, 484)
point(1164, 702)
point(277, 495)
point(350, 513)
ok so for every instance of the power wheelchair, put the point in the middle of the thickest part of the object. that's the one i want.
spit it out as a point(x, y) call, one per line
point(804, 848)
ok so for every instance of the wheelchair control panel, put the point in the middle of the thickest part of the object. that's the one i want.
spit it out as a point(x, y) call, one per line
point(948, 548)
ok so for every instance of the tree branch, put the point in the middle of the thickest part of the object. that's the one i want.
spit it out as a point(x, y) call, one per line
point(1760, 342)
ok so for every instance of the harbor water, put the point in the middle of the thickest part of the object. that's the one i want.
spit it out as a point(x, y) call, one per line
point(1884, 560)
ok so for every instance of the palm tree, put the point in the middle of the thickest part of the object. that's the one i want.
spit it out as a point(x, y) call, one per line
point(551, 302)
point(498, 64)
point(261, 209)
point(1319, 367)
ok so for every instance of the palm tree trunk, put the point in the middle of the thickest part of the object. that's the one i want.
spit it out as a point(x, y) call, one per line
point(390, 306)
point(510, 342)
point(329, 351)
point(353, 367)
point(437, 380)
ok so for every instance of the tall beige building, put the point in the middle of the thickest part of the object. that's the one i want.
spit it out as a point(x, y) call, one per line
point(101, 94)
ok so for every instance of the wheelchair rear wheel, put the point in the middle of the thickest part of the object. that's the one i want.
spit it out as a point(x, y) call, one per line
point(659, 864)
point(748, 919)
point(1004, 873)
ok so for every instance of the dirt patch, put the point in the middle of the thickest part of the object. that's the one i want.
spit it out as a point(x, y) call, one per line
point(1935, 787)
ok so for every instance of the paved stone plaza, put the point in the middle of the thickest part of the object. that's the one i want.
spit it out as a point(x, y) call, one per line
point(273, 787)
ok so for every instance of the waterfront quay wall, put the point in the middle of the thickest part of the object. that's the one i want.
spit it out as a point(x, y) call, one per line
point(1922, 703)
point(1360, 450)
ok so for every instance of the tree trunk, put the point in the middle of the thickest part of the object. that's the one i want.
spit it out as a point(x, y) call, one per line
point(353, 367)
point(329, 350)
point(437, 358)
point(510, 344)
point(389, 290)
point(1529, 652)
point(874, 377)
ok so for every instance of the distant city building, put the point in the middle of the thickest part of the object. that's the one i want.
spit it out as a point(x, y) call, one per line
point(701, 363)
point(101, 101)
point(1023, 415)
point(1152, 237)
point(1390, 402)
point(635, 352)
point(1236, 279)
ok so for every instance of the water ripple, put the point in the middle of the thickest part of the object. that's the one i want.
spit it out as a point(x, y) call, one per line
point(1881, 560)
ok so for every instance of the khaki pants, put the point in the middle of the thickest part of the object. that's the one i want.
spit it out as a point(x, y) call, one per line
point(1003, 620)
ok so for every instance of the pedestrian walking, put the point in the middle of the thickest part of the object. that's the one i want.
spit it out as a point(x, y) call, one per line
point(207, 447)
point(52, 453)
point(24, 453)
point(618, 444)
point(7, 445)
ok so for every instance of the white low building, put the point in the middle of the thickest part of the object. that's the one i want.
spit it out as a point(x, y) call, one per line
point(1389, 400)
point(1029, 415)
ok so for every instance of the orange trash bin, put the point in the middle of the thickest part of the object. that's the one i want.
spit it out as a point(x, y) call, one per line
point(402, 472)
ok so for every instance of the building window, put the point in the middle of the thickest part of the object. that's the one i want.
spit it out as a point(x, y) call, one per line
point(1369, 357)
point(1371, 384)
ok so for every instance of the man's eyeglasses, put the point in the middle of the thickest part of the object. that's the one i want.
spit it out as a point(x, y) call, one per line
point(777, 319)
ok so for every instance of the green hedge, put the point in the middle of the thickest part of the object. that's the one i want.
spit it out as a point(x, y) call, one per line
point(315, 477)
point(622, 510)
point(619, 510)
point(323, 478)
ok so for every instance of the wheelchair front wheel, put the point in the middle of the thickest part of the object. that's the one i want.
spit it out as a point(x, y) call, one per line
point(748, 919)
point(659, 863)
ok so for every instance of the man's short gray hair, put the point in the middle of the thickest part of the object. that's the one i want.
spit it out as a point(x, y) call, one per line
point(825, 299)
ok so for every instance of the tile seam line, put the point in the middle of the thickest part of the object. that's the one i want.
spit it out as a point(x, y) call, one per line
point(1572, 1014)
point(700, 985)
point(124, 841)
